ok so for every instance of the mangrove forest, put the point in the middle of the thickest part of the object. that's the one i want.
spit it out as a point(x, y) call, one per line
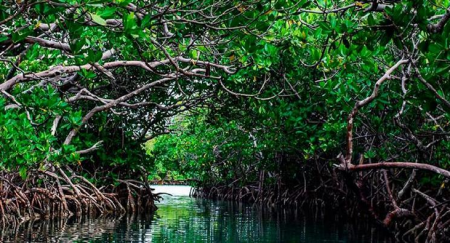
point(338, 108)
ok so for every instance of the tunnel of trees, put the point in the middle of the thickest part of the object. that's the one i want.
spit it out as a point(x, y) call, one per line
point(340, 105)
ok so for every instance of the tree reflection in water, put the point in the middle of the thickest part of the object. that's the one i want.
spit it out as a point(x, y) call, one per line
point(183, 219)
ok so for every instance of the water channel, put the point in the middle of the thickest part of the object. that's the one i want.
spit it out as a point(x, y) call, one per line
point(184, 219)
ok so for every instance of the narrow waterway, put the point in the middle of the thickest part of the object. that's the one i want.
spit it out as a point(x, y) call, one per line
point(183, 219)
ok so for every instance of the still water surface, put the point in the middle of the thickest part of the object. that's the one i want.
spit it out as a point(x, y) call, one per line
point(184, 219)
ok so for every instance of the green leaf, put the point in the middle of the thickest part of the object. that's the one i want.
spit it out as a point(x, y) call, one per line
point(87, 74)
point(145, 21)
point(107, 12)
point(21, 35)
point(123, 2)
point(77, 44)
point(371, 20)
point(325, 26)
point(97, 19)
point(23, 172)
point(93, 56)
point(129, 22)
point(442, 70)
point(3, 38)
point(435, 48)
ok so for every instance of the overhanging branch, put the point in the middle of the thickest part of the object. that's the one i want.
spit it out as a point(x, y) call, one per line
point(393, 165)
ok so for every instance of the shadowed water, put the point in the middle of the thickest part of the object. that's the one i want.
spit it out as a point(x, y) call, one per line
point(183, 219)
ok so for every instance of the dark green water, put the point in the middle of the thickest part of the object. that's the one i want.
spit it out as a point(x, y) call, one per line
point(183, 219)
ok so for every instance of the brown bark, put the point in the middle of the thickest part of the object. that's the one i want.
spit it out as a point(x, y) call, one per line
point(400, 165)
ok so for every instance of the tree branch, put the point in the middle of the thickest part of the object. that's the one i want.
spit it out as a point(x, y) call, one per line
point(392, 165)
point(364, 102)
point(91, 149)
point(438, 27)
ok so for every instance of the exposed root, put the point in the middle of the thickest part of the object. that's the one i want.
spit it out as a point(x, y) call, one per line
point(56, 194)
point(395, 201)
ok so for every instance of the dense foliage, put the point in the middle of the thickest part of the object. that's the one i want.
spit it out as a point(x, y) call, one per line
point(304, 75)
point(259, 96)
point(85, 83)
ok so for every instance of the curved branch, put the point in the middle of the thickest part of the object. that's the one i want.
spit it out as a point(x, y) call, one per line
point(56, 71)
point(48, 43)
point(112, 104)
point(365, 102)
point(91, 149)
point(399, 165)
point(438, 27)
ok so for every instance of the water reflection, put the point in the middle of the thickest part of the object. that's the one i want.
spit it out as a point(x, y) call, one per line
point(183, 219)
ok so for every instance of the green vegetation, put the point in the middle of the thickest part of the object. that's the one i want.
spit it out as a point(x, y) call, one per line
point(252, 101)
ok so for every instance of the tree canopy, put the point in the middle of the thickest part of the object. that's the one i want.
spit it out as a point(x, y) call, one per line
point(232, 94)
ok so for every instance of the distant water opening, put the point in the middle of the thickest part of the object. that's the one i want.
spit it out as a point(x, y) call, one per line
point(174, 190)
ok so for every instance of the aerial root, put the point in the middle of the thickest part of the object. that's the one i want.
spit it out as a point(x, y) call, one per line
point(409, 211)
point(56, 194)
